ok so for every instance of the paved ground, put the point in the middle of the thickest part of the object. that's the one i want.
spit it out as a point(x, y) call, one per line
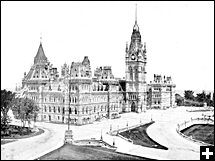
point(162, 131)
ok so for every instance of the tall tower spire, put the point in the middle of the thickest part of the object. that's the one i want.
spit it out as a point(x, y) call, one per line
point(136, 14)
point(135, 25)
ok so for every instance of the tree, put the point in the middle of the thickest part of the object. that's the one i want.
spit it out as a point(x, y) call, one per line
point(179, 99)
point(201, 97)
point(213, 100)
point(7, 98)
point(188, 94)
point(26, 109)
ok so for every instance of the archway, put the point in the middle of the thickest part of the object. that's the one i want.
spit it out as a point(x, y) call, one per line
point(133, 107)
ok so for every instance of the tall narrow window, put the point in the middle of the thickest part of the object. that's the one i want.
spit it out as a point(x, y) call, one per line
point(136, 74)
point(75, 111)
point(131, 73)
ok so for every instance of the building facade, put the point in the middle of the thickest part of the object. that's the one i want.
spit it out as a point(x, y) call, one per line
point(78, 95)
point(161, 93)
point(135, 74)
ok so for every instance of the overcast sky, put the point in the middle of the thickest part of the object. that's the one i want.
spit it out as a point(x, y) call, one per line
point(179, 38)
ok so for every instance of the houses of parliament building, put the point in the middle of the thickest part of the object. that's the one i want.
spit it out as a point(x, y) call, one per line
point(83, 97)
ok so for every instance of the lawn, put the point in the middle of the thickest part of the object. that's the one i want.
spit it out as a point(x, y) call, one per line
point(139, 136)
point(75, 152)
point(18, 132)
point(202, 132)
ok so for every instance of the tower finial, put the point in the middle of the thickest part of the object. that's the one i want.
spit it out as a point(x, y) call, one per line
point(136, 14)
point(40, 38)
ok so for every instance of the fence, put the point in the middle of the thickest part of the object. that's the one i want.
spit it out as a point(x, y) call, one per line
point(116, 132)
point(186, 124)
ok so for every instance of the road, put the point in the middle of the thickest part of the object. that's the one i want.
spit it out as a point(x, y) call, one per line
point(162, 131)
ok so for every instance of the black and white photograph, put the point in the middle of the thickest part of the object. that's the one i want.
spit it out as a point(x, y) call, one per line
point(107, 80)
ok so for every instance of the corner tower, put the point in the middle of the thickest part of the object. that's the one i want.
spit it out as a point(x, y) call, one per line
point(135, 74)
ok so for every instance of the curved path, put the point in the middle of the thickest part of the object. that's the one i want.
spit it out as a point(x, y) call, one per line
point(162, 131)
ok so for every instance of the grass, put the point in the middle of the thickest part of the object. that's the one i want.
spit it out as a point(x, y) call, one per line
point(140, 137)
point(201, 132)
point(18, 132)
point(75, 152)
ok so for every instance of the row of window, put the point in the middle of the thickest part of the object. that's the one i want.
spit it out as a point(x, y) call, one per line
point(156, 95)
point(157, 89)
point(135, 69)
point(74, 99)
point(54, 99)
point(35, 98)
point(85, 110)
point(133, 97)
point(50, 88)
point(48, 109)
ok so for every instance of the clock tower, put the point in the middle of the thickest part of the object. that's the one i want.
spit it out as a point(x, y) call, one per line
point(135, 73)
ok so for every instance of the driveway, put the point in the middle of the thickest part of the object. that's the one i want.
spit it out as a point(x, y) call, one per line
point(162, 131)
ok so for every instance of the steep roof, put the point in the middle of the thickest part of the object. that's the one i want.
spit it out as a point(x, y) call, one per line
point(40, 57)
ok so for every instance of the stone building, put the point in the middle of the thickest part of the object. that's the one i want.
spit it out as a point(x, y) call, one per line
point(161, 93)
point(135, 74)
point(74, 93)
point(78, 95)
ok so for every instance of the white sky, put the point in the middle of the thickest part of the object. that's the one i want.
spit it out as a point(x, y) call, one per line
point(179, 38)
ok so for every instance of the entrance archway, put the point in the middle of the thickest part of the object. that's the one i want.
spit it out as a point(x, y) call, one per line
point(133, 107)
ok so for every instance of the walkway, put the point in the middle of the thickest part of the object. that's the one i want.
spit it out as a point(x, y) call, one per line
point(162, 131)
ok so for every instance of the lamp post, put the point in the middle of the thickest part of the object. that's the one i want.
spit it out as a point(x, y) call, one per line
point(101, 135)
point(110, 128)
point(118, 129)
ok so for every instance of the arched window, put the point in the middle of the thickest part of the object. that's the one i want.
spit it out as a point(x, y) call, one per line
point(87, 110)
point(49, 108)
point(82, 110)
point(45, 108)
point(95, 109)
point(54, 109)
point(58, 109)
point(75, 111)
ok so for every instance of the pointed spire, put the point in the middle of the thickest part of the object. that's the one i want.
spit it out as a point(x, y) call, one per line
point(40, 57)
point(135, 25)
point(40, 38)
point(136, 14)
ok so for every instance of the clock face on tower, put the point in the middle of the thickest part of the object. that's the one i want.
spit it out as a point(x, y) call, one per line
point(133, 57)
